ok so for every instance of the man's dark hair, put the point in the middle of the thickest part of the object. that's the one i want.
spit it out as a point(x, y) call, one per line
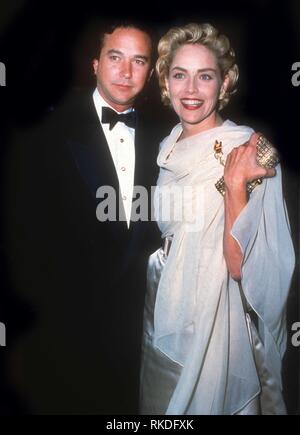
point(109, 26)
point(91, 42)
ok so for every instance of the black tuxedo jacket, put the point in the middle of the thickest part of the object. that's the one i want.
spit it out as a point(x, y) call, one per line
point(83, 280)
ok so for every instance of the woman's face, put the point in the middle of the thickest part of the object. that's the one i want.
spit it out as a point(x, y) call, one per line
point(194, 85)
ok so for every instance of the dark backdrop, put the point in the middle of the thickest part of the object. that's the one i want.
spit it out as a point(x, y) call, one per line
point(47, 49)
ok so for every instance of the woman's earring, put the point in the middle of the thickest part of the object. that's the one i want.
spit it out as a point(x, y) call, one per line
point(222, 94)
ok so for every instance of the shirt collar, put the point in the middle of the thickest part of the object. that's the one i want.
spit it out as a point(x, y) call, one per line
point(100, 102)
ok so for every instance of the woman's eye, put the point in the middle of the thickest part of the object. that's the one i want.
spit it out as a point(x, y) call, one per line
point(205, 77)
point(178, 76)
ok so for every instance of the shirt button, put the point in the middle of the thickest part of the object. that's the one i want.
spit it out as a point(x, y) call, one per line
point(123, 168)
point(124, 197)
point(121, 140)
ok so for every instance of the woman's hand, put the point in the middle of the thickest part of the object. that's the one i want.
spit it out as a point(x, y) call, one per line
point(241, 166)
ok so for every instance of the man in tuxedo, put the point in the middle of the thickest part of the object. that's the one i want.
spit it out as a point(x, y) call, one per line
point(83, 279)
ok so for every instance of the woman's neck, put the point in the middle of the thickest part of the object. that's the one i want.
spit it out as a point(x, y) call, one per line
point(193, 129)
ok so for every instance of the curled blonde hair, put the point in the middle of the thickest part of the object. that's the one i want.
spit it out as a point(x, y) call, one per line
point(203, 34)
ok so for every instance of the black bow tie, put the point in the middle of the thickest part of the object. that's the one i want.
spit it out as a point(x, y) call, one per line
point(109, 116)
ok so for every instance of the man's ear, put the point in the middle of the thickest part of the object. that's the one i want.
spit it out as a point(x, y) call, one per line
point(95, 65)
point(150, 74)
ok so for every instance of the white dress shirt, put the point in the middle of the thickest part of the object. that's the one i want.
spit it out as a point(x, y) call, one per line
point(121, 145)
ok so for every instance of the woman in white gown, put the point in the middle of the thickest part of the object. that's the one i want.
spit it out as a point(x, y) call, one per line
point(214, 321)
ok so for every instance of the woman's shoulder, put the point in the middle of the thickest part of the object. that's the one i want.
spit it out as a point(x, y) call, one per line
point(238, 128)
point(232, 134)
point(174, 133)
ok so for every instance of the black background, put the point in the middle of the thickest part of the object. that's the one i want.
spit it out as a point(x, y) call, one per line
point(47, 49)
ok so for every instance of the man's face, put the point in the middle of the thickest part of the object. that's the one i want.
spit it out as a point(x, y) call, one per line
point(123, 67)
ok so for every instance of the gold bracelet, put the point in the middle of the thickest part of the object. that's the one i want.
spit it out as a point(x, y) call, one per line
point(266, 156)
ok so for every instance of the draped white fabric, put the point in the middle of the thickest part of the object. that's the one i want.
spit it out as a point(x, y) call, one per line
point(199, 320)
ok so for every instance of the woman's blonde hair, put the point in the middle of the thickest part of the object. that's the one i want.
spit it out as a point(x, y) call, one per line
point(204, 34)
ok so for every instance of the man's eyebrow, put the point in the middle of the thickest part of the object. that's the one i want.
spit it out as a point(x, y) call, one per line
point(141, 56)
point(113, 51)
point(120, 53)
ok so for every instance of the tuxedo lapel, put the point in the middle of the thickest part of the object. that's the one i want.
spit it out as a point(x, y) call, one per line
point(146, 148)
point(144, 164)
point(139, 166)
point(91, 153)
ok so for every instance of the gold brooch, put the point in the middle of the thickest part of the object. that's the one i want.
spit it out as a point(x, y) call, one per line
point(218, 152)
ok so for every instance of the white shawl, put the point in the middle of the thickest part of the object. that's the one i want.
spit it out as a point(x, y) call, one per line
point(199, 320)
